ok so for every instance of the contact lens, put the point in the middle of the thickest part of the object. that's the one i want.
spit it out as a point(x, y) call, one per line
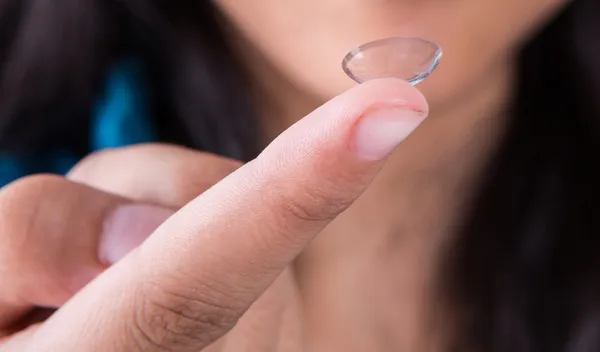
point(410, 59)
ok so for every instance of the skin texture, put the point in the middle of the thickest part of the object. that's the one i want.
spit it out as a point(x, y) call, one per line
point(190, 282)
point(306, 40)
point(188, 285)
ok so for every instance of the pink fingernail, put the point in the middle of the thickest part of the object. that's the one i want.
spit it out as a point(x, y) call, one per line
point(381, 130)
point(127, 227)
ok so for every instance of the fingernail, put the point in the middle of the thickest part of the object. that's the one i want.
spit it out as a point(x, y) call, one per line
point(381, 130)
point(127, 227)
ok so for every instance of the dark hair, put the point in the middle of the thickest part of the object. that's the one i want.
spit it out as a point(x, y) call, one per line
point(524, 271)
point(54, 57)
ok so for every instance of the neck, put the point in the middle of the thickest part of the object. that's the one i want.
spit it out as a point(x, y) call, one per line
point(446, 155)
point(390, 239)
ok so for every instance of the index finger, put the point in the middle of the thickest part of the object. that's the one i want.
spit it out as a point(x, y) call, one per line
point(198, 273)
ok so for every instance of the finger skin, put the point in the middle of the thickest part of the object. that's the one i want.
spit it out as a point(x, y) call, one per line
point(153, 173)
point(49, 226)
point(172, 176)
point(272, 324)
point(199, 272)
point(19, 341)
point(44, 259)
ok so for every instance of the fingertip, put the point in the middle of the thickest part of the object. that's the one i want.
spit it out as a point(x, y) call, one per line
point(385, 92)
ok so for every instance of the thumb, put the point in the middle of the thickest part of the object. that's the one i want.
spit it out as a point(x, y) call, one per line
point(199, 272)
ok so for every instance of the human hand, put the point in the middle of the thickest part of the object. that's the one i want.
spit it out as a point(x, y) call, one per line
point(195, 276)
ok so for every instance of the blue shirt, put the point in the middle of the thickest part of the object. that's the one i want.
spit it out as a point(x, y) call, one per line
point(120, 118)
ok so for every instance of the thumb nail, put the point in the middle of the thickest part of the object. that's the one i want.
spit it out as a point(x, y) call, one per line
point(380, 131)
point(127, 227)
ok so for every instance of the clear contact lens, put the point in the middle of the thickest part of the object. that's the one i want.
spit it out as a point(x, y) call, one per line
point(410, 59)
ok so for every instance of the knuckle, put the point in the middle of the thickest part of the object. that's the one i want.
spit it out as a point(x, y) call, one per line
point(89, 166)
point(307, 209)
point(87, 169)
point(169, 320)
point(313, 204)
point(21, 228)
point(111, 160)
point(315, 195)
point(27, 209)
point(31, 184)
point(20, 202)
point(98, 155)
point(130, 171)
